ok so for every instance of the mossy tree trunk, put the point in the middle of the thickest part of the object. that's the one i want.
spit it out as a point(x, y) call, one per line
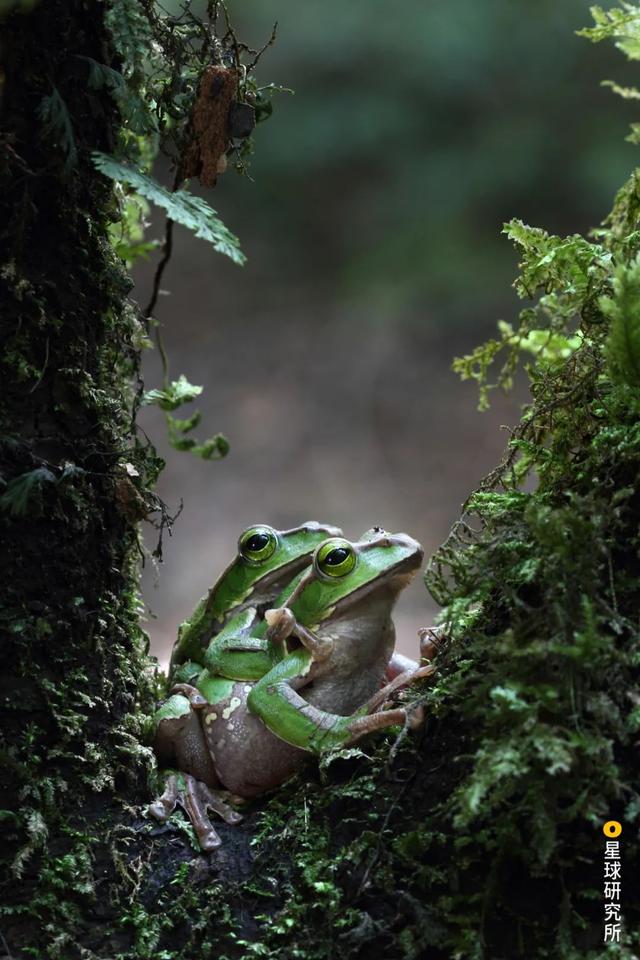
point(73, 654)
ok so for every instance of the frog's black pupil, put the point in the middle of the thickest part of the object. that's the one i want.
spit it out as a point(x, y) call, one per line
point(258, 541)
point(336, 557)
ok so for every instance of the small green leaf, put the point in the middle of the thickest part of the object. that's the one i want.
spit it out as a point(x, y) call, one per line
point(215, 448)
point(621, 24)
point(57, 126)
point(130, 252)
point(185, 426)
point(627, 93)
point(135, 113)
point(103, 77)
point(180, 391)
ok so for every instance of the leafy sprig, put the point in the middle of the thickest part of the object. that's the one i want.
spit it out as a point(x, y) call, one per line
point(173, 396)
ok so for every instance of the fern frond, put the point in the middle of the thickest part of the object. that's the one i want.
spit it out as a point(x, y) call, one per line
point(181, 206)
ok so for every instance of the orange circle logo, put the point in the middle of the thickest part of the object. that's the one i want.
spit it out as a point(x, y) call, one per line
point(612, 828)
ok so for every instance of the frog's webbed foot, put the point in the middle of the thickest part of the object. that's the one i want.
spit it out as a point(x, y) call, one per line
point(195, 798)
point(378, 718)
point(431, 641)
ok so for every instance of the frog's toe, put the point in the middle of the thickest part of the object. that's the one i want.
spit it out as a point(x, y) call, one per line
point(233, 817)
point(209, 840)
point(193, 695)
point(196, 799)
point(158, 811)
point(212, 800)
point(162, 808)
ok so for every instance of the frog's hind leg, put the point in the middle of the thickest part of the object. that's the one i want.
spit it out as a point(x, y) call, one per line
point(179, 742)
point(400, 680)
point(377, 718)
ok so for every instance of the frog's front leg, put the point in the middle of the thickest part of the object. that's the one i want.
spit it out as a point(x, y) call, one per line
point(275, 699)
point(283, 624)
point(193, 632)
point(236, 653)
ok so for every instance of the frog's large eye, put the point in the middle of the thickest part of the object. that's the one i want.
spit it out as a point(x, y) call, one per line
point(335, 558)
point(257, 544)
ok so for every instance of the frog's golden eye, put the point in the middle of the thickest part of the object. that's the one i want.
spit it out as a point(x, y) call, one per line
point(257, 544)
point(335, 558)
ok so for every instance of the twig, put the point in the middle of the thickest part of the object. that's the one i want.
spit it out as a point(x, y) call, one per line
point(167, 250)
point(269, 43)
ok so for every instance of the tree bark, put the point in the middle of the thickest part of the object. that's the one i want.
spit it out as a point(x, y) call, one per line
point(74, 677)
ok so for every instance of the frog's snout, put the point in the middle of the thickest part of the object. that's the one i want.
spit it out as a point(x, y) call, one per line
point(405, 540)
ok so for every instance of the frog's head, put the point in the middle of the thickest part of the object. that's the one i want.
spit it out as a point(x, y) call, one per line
point(344, 575)
point(266, 560)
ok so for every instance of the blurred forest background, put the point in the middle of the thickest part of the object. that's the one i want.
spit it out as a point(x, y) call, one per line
point(372, 227)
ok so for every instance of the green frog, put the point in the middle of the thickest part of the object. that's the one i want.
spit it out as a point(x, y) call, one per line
point(329, 645)
point(265, 562)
